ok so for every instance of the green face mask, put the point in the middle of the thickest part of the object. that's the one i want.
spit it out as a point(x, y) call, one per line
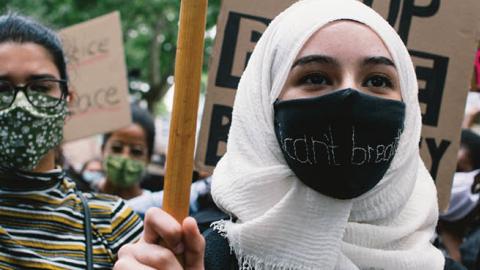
point(28, 134)
point(123, 172)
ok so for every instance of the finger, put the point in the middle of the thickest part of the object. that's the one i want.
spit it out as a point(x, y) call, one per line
point(160, 225)
point(130, 263)
point(150, 255)
point(194, 244)
point(157, 256)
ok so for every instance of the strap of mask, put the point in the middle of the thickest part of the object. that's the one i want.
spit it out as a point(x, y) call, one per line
point(88, 231)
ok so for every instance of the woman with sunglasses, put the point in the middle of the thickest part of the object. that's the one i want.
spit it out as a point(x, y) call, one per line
point(45, 223)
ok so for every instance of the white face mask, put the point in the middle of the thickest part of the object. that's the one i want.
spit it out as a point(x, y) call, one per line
point(462, 200)
point(92, 177)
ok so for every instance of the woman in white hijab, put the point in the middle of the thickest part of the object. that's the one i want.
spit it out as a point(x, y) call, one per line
point(322, 169)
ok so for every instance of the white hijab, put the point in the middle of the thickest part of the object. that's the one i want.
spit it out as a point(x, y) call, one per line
point(283, 224)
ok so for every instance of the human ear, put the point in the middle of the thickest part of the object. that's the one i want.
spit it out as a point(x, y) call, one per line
point(72, 95)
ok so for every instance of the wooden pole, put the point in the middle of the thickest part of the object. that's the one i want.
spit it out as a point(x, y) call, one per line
point(188, 70)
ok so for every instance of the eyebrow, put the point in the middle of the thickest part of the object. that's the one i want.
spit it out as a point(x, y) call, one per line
point(316, 58)
point(323, 59)
point(378, 60)
point(41, 77)
point(31, 77)
point(129, 144)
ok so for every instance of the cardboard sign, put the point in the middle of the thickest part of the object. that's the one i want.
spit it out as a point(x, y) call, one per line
point(440, 43)
point(98, 77)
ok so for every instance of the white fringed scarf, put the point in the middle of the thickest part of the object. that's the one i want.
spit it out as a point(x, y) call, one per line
point(282, 224)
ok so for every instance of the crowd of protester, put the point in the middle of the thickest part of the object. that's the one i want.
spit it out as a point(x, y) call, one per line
point(53, 216)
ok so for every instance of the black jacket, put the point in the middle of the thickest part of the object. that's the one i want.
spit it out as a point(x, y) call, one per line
point(217, 252)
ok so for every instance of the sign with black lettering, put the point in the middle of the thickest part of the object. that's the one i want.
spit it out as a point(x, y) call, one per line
point(440, 42)
point(97, 77)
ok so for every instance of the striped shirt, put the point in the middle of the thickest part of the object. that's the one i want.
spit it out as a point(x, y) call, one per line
point(41, 224)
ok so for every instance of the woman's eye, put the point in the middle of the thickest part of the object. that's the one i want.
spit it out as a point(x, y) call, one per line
point(315, 79)
point(137, 151)
point(378, 81)
point(116, 148)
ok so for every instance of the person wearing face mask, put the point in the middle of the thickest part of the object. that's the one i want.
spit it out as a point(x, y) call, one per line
point(91, 173)
point(126, 155)
point(322, 168)
point(45, 223)
point(459, 227)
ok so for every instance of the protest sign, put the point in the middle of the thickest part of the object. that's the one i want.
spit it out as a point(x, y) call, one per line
point(440, 42)
point(97, 77)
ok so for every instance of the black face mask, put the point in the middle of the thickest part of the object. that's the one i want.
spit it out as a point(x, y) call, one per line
point(340, 144)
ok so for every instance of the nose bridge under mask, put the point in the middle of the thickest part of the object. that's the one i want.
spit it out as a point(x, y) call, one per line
point(125, 152)
point(21, 101)
point(348, 82)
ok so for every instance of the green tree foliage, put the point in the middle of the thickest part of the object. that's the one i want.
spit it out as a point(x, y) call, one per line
point(150, 31)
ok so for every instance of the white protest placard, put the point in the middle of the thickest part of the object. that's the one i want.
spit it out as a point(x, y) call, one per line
point(441, 38)
point(97, 77)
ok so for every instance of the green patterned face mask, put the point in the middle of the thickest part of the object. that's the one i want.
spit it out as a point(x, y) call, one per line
point(123, 172)
point(28, 134)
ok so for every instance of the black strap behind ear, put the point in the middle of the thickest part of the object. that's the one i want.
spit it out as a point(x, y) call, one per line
point(87, 226)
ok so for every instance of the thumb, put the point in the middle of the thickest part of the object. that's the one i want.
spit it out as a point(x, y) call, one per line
point(194, 245)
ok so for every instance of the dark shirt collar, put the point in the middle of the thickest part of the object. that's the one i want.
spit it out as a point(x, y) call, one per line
point(17, 180)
